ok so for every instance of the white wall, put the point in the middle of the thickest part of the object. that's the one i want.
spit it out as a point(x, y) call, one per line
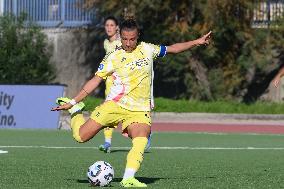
point(1, 7)
point(69, 57)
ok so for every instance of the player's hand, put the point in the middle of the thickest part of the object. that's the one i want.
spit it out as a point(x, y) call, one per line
point(276, 81)
point(62, 107)
point(205, 39)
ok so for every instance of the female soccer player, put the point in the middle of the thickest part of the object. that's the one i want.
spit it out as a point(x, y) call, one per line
point(112, 43)
point(129, 100)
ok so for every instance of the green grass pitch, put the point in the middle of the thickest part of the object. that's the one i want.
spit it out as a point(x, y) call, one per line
point(52, 159)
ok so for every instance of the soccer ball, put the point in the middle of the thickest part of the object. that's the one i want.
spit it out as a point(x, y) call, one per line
point(100, 173)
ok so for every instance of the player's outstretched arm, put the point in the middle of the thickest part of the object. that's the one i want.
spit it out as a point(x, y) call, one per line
point(180, 47)
point(90, 86)
point(277, 78)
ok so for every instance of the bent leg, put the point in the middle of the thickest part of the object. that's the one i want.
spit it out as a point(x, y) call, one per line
point(138, 130)
point(83, 131)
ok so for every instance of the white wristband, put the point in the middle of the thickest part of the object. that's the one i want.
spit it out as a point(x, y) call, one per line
point(73, 102)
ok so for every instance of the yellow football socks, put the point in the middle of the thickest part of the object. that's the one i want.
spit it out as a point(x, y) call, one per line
point(108, 134)
point(135, 155)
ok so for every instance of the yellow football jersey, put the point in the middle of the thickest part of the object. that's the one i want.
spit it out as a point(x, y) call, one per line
point(109, 47)
point(132, 74)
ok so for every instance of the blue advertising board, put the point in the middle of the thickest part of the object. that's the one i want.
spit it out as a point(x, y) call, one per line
point(28, 106)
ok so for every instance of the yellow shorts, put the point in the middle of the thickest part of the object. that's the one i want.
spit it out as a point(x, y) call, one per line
point(109, 114)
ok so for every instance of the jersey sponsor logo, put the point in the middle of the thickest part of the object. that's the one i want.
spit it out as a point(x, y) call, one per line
point(101, 66)
point(138, 63)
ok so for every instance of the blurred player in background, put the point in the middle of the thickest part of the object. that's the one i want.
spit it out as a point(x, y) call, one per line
point(129, 100)
point(111, 43)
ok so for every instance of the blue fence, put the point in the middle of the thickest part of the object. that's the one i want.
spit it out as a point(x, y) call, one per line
point(267, 12)
point(70, 13)
point(51, 13)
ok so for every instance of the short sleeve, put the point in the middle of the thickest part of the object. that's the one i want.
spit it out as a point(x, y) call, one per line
point(157, 50)
point(105, 68)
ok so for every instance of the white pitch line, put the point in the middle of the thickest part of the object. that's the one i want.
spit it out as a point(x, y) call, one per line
point(3, 152)
point(155, 148)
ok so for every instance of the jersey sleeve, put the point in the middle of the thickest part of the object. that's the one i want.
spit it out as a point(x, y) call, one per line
point(105, 68)
point(157, 50)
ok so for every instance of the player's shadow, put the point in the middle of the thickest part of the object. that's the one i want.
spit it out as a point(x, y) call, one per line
point(119, 150)
point(124, 150)
point(82, 181)
point(146, 180)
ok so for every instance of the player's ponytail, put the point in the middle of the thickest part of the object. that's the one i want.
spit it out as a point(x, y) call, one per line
point(129, 25)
